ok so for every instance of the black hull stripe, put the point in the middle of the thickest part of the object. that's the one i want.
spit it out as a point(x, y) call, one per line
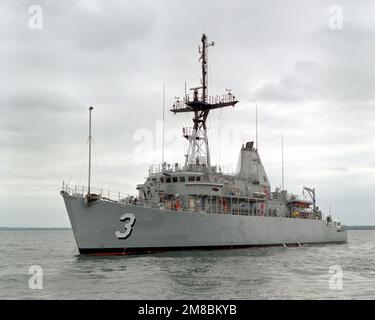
point(128, 251)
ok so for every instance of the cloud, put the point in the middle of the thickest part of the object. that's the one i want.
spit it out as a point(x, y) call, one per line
point(312, 84)
point(341, 169)
point(343, 73)
point(39, 101)
point(87, 25)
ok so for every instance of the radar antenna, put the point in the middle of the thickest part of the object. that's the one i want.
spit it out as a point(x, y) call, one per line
point(198, 156)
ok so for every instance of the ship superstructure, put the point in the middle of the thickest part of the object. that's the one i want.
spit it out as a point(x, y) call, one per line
point(198, 186)
point(196, 205)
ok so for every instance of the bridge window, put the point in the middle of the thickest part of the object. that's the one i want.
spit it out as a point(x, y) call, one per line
point(182, 179)
point(191, 178)
point(162, 179)
point(174, 179)
point(168, 180)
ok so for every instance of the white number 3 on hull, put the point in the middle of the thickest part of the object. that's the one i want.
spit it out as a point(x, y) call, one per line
point(130, 220)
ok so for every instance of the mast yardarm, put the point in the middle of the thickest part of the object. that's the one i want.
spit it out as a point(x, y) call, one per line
point(200, 104)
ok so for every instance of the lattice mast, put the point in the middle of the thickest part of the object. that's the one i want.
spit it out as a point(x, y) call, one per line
point(200, 104)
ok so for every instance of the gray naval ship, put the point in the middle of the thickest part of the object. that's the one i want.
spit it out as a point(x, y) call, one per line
point(197, 206)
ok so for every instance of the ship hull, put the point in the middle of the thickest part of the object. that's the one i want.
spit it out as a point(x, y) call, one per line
point(97, 228)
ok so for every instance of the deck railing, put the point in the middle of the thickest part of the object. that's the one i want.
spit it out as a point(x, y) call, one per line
point(165, 167)
point(212, 100)
point(81, 191)
point(235, 205)
point(176, 167)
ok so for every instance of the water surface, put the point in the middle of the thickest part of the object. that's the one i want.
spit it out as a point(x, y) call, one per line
point(254, 273)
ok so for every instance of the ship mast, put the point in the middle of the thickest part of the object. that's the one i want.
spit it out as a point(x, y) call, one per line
point(163, 133)
point(282, 162)
point(90, 139)
point(200, 104)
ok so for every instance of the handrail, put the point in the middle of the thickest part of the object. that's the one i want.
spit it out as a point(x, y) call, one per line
point(235, 205)
point(212, 100)
point(165, 167)
point(79, 190)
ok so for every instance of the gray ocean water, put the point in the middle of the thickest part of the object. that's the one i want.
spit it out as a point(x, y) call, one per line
point(254, 273)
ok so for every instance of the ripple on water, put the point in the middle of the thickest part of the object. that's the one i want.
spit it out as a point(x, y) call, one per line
point(253, 273)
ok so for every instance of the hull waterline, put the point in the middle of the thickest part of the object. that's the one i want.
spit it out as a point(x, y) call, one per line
point(96, 229)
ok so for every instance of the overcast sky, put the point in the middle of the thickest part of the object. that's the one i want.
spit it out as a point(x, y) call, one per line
point(312, 79)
